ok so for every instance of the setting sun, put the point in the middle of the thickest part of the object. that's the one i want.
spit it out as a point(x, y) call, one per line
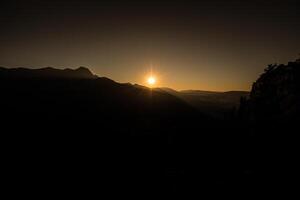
point(151, 80)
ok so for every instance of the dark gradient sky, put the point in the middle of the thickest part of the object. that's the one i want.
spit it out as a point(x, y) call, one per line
point(208, 45)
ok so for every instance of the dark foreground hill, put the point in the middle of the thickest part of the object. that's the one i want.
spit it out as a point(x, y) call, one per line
point(73, 130)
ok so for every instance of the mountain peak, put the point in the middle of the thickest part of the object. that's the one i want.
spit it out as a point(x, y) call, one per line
point(83, 69)
point(83, 72)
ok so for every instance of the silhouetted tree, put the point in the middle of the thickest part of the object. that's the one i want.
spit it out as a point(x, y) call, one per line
point(271, 67)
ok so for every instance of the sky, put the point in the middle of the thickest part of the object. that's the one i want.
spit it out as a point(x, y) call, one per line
point(206, 45)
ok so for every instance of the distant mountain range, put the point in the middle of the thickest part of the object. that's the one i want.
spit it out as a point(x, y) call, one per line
point(212, 103)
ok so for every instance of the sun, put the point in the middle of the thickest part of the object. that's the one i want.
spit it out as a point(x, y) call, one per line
point(151, 80)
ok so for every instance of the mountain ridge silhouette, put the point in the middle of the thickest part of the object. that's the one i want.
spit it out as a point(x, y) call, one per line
point(82, 128)
point(206, 101)
point(46, 72)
